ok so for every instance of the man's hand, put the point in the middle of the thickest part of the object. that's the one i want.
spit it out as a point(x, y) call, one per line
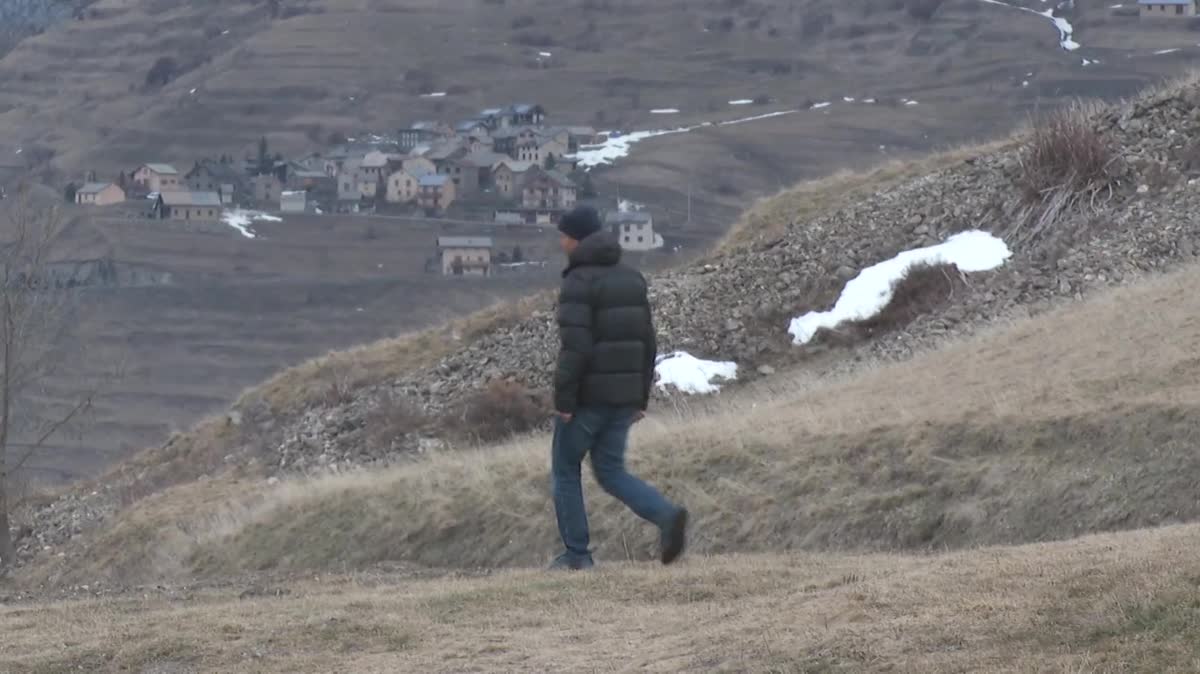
point(566, 418)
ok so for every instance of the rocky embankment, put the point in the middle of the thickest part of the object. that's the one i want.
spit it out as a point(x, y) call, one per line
point(737, 304)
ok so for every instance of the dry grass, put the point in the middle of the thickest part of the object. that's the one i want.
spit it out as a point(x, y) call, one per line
point(1011, 437)
point(769, 218)
point(1109, 603)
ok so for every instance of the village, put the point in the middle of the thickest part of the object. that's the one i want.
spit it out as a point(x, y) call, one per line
point(506, 167)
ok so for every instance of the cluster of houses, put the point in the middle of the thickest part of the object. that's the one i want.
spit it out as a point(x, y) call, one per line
point(505, 158)
point(505, 162)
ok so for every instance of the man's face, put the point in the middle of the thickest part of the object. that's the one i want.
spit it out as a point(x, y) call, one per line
point(567, 243)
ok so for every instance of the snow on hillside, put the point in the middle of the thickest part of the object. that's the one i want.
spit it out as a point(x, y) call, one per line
point(689, 374)
point(1066, 31)
point(240, 220)
point(869, 292)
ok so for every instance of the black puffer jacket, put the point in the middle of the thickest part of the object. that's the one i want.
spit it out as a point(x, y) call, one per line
point(608, 344)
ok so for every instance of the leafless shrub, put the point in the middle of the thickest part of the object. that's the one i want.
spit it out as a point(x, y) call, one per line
point(391, 420)
point(502, 409)
point(1066, 163)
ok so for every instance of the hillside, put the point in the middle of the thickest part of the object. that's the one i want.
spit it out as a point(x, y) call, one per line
point(77, 97)
point(395, 401)
point(1000, 476)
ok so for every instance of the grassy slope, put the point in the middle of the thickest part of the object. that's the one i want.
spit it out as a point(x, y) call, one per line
point(1078, 421)
point(1108, 603)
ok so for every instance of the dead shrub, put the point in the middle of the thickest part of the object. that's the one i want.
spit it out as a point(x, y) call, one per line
point(1066, 163)
point(923, 290)
point(391, 420)
point(499, 411)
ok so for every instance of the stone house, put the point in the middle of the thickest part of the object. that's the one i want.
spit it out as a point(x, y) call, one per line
point(188, 206)
point(461, 172)
point(548, 190)
point(508, 176)
point(540, 148)
point(525, 114)
point(466, 255)
point(581, 135)
point(422, 133)
point(209, 175)
point(1151, 9)
point(266, 188)
point(99, 194)
point(293, 201)
point(634, 230)
point(436, 192)
point(403, 187)
point(347, 183)
point(481, 162)
point(471, 128)
point(157, 178)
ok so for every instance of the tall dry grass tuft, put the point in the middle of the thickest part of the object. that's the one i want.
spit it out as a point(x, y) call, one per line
point(1066, 164)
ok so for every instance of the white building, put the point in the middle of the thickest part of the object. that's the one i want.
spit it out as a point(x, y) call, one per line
point(634, 229)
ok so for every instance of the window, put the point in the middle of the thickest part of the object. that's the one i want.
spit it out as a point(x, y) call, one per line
point(1179, 9)
point(639, 239)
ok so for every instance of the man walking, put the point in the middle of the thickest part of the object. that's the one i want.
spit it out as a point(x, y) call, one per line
point(602, 387)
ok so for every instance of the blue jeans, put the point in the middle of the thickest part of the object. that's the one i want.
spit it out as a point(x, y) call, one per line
point(604, 432)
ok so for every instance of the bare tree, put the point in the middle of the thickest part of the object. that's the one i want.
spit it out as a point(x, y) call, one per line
point(35, 321)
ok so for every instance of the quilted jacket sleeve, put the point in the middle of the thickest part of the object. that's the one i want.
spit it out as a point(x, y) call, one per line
point(575, 333)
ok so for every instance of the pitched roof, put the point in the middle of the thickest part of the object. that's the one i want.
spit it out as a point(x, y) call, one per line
point(489, 112)
point(374, 159)
point(514, 165)
point(555, 177)
point(162, 169)
point(581, 130)
point(93, 188)
point(444, 150)
point(433, 180)
point(464, 242)
point(483, 158)
point(468, 124)
point(191, 198)
point(630, 217)
point(216, 169)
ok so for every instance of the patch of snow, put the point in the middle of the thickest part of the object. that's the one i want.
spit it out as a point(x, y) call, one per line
point(869, 292)
point(693, 375)
point(1065, 30)
point(1088, 62)
point(1160, 52)
point(627, 206)
point(912, 102)
point(436, 94)
point(618, 145)
point(757, 118)
point(1025, 83)
point(868, 100)
point(847, 99)
point(665, 111)
point(240, 220)
point(742, 101)
point(20, 150)
point(818, 106)
point(225, 32)
point(545, 54)
point(193, 91)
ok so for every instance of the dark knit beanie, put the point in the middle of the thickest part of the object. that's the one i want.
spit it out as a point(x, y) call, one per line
point(580, 222)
